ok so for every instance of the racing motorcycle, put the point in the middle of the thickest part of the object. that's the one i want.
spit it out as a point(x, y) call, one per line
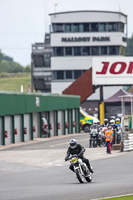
point(82, 172)
point(93, 138)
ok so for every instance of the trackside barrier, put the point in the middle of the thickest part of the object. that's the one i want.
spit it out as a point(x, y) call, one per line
point(128, 144)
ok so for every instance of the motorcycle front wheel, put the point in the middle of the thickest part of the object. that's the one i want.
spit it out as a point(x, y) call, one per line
point(80, 177)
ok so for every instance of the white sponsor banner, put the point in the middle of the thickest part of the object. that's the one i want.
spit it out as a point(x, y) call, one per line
point(112, 70)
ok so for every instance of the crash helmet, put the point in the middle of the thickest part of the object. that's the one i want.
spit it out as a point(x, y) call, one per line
point(117, 120)
point(73, 143)
point(106, 121)
point(112, 122)
point(94, 122)
point(112, 117)
point(98, 123)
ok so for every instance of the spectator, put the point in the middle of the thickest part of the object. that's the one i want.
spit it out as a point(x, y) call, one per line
point(108, 135)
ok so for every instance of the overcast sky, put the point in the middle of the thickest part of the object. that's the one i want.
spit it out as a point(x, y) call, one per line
point(24, 22)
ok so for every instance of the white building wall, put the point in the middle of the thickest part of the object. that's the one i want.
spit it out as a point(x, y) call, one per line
point(66, 120)
point(36, 124)
point(87, 16)
point(74, 120)
point(52, 123)
point(17, 125)
point(71, 63)
point(115, 39)
point(8, 128)
point(27, 125)
point(59, 86)
point(61, 121)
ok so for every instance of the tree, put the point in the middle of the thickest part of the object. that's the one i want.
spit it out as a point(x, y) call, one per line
point(27, 68)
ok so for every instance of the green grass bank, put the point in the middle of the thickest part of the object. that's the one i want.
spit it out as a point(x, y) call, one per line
point(13, 82)
point(129, 197)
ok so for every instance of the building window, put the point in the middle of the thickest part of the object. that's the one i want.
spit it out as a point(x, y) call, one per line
point(68, 74)
point(85, 51)
point(76, 27)
point(77, 73)
point(113, 50)
point(86, 27)
point(77, 51)
point(68, 51)
point(104, 50)
point(59, 51)
point(94, 27)
point(103, 27)
point(68, 28)
point(95, 51)
point(60, 75)
point(39, 61)
point(47, 60)
point(112, 27)
point(121, 27)
point(58, 28)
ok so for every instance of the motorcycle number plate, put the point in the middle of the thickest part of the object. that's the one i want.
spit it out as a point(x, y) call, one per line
point(74, 160)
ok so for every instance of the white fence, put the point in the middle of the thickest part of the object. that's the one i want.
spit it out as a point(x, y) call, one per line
point(128, 144)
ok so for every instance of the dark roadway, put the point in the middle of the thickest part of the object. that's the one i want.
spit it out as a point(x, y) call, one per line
point(19, 181)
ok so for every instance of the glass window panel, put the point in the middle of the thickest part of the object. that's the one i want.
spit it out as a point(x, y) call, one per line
point(58, 28)
point(68, 51)
point(68, 74)
point(81, 115)
point(94, 27)
point(59, 51)
point(121, 27)
point(60, 75)
point(104, 50)
point(95, 50)
point(77, 51)
point(112, 26)
point(54, 75)
point(85, 51)
point(77, 73)
point(86, 27)
point(113, 50)
point(103, 27)
point(76, 27)
point(68, 28)
point(38, 61)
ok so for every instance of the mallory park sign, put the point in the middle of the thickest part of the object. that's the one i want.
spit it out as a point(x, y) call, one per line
point(85, 39)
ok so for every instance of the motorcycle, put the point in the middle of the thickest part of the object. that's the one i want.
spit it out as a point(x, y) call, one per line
point(102, 135)
point(80, 168)
point(93, 138)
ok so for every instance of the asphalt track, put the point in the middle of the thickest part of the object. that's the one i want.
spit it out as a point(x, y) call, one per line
point(37, 170)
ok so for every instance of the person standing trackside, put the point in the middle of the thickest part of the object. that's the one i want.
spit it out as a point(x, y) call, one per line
point(108, 135)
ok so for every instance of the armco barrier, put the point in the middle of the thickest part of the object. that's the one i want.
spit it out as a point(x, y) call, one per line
point(128, 144)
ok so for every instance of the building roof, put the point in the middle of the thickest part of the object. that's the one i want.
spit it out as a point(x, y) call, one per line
point(77, 11)
point(116, 97)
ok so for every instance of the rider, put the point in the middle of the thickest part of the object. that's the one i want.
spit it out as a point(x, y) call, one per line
point(94, 131)
point(118, 124)
point(106, 123)
point(77, 149)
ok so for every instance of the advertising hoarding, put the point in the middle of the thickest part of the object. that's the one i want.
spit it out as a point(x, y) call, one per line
point(112, 70)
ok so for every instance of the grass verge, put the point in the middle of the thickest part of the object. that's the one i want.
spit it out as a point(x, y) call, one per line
point(14, 83)
point(130, 197)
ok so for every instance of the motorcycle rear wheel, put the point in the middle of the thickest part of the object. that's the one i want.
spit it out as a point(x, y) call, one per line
point(79, 176)
point(88, 179)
